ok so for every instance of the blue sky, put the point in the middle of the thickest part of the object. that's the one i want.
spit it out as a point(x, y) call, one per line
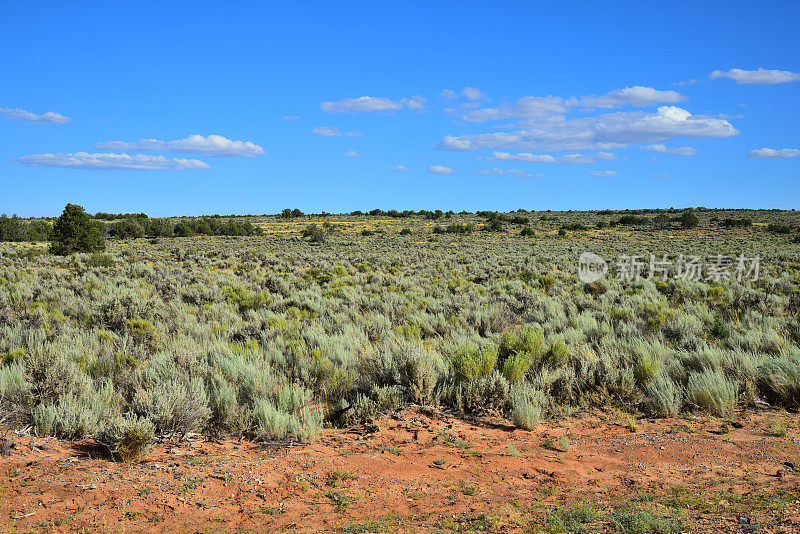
point(450, 105)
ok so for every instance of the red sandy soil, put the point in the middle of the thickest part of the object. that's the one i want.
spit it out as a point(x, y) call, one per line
point(419, 471)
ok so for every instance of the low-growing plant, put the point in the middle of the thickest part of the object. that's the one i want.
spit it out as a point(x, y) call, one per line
point(526, 410)
point(712, 391)
point(518, 352)
point(471, 362)
point(664, 397)
point(127, 438)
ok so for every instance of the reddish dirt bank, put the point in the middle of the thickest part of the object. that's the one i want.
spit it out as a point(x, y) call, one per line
point(421, 472)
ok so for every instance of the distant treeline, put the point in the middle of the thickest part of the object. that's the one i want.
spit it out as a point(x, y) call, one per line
point(139, 225)
point(133, 227)
point(16, 229)
point(129, 226)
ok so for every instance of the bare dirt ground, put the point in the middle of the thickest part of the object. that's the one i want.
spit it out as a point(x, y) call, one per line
point(419, 471)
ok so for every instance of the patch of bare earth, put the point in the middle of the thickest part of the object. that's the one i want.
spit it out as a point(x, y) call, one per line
point(419, 471)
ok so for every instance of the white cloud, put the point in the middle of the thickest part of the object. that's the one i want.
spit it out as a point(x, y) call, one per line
point(635, 96)
point(772, 153)
point(326, 131)
point(527, 108)
point(678, 150)
point(291, 117)
point(400, 168)
point(22, 115)
point(449, 94)
point(760, 76)
point(213, 145)
point(532, 110)
point(353, 154)
point(547, 158)
point(603, 173)
point(136, 162)
point(416, 103)
point(604, 132)
point(373, 103)
point(516, 172)
point(472, 93)
point(439, 169)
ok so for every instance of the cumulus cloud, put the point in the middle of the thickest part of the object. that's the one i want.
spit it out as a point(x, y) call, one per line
point(603, 173)
point(326, 131)
point(135, 162)
point(353, 154)
point(399, 168)
point(449, 94)
point(531, 110)
point(760, 76)
point(415, 102)
point(634, 96)
point(213, 145)
point(439, 169)
point(372, 103)
point(547, 158)
point(527, 108)
point(472, 93)
point(516, 172)
point(772, 153)
point(678, 150)
point(22, 115)
point(604, 132)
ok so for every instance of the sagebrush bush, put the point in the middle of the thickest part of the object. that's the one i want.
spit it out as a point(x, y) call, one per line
point(518, 352)
point(558, 353)
point(779, 381)
point(713, 392)
point(484, 395)
point(470, 362)
point(173, 405)
point(272, 423)
point(420, 369)
point(647, 367)
point(16, 395)
point(526, 409)
point(664, 397)
point(193, 333)
point(127, 438)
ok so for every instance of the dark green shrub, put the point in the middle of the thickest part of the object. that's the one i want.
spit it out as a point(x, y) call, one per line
point(76, 231)
point(689, 220)
point(314, 233)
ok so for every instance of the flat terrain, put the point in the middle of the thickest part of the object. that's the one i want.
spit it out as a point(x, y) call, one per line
point(260, 383)
point(420, 471)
